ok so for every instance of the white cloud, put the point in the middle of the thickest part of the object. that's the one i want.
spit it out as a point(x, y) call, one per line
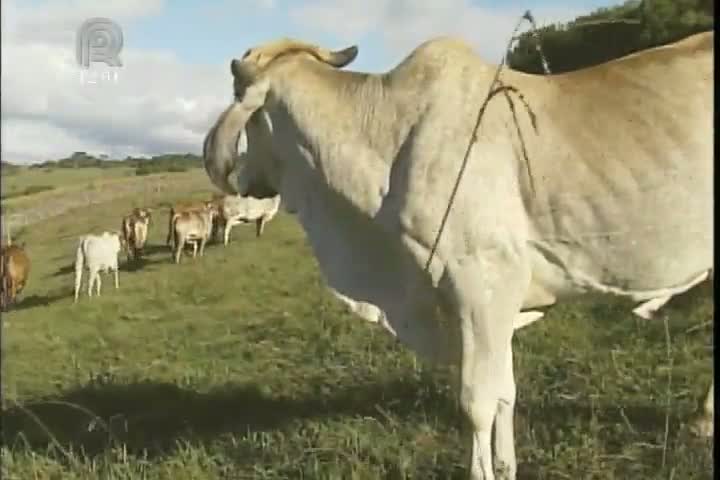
point(404, 24)
point(162, 104)
point(158, 104)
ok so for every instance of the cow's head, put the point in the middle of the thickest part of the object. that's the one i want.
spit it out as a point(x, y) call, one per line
point(147, 214)
point(257, 171)
point(211, 208)
point(143, 214)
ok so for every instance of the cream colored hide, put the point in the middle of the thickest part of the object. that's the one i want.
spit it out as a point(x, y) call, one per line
point(96, 254)
point(192, 227)
point(622, 202)
point(237, 209)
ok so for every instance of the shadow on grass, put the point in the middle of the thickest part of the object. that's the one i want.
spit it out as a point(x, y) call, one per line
point(66, 270)
point(156, 253)
point(152, 417)
point(156, 249)
point(32, 301)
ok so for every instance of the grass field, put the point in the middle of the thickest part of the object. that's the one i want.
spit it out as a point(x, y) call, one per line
point(240, 365)
point(14, 186)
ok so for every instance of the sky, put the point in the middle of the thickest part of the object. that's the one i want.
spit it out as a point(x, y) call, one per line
point(175, 77)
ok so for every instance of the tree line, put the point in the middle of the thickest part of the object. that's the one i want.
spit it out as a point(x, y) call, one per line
point(143, 166)
point(609, 33)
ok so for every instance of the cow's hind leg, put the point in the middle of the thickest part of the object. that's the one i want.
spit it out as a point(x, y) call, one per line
point(98, 284)
point(91, 282)
point(180, 244)
point(486, 310)
point(117, 279)
point(78, 283)
point(13, 292)
point(259, 226)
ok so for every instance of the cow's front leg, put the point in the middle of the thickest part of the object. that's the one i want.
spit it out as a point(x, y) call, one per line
point(486, 309)
point(117, 279)
point(703, 425)
point(226, 233)
point(505, 459)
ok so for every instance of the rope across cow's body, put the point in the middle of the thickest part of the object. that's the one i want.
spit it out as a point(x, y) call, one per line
point(496, 87)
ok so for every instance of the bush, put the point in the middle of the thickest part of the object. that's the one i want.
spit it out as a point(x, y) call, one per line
point(9, 169)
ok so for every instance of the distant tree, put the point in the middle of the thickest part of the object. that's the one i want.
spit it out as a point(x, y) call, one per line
point(7, 168)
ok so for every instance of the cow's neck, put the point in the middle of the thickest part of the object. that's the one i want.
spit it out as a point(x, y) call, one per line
point(367, 108)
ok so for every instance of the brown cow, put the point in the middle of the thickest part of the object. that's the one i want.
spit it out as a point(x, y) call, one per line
point(193, 227)
point(190, 206)
point(135, 232)
point(14, 271)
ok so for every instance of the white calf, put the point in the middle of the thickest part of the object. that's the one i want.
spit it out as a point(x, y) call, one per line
point(96, 253)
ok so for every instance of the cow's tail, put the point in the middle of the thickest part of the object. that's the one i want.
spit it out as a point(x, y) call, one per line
point(173, 223)
point(79, 264)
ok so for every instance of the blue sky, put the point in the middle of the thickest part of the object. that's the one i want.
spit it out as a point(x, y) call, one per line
point(175, 76)
point(214, 31)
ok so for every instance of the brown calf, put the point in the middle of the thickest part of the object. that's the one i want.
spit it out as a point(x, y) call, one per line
point(193, 227)
point(189, 206)
point(135, 232)
point(14, 271)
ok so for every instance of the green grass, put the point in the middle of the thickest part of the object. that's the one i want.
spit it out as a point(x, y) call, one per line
point(240, 365)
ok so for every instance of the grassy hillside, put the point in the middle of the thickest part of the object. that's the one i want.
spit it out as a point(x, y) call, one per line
point(240, 365)
point(29, 181)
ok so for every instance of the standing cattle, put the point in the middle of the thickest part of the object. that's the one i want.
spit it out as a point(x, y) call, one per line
point(190, 206)
point(612, 198)
point(193, 226)
point(135, 232)
point(97, 253)
point(236, 209)
point(14, 272)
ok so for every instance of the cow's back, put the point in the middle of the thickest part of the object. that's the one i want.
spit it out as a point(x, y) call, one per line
point(623, 169)
point(100, 250)
point(191, 223)
point(621, 164)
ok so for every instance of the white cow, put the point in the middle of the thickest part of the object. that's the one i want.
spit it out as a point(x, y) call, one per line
point(611, 197)
point(237, 209)
point(97, 253)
